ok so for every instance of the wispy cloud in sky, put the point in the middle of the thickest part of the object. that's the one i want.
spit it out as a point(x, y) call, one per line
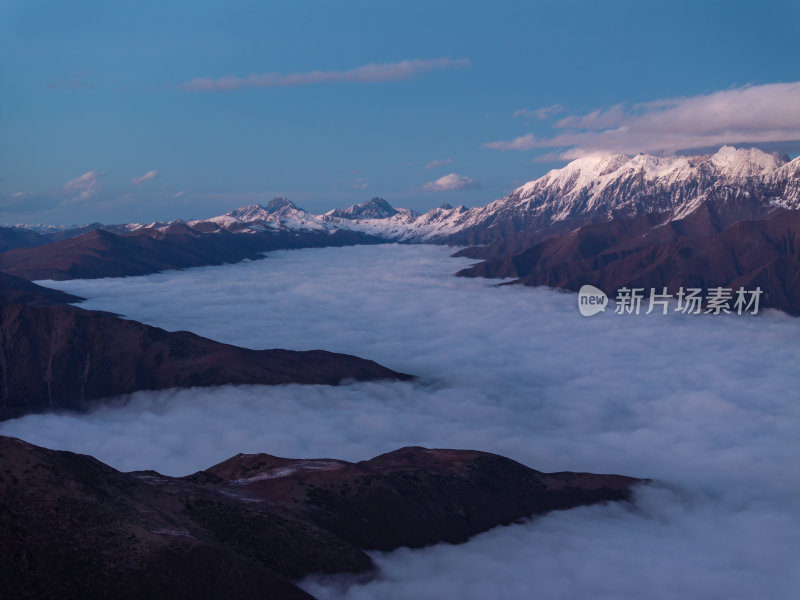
point(146, 177)
point(76, 82)
point(438, 163)
point(451, 182)
point(85, 186)
point(751, 114)
point(539, 113)
point(523, 142)
point(372, 72)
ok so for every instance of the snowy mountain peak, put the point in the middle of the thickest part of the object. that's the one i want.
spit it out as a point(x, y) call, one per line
point(252, 212)
point(281, 205)
point(258, 212)
point(741, 183)
point(746, 162)
point(595, 171)
point(375, 208)
point(579, 173)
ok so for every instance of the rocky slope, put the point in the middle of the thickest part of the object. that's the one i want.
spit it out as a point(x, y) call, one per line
point(101, 253)
point(15, 237)
point(14, 290)
point(56, 357)
point(739, 183)
point(474, 491)
point(72, 527)
point(376, 208)
point(690, 252)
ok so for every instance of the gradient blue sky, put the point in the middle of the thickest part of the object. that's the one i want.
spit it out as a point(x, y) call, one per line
point(100, 93)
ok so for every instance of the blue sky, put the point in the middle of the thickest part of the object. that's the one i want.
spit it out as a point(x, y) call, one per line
point(350, 100)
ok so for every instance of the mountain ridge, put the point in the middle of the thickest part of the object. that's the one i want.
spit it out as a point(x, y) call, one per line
point(595, 187)
point(59, 357)
point(74, 527)
point(690, 252)
point(732, 185)
point(590, 189)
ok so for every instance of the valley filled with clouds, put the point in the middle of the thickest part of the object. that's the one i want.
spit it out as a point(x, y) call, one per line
point(705, 406)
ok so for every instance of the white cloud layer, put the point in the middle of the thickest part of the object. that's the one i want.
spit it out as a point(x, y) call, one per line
point(451, 182)
point(753, 114)
point(707, 406)
point(372, 72)
point(146, 177)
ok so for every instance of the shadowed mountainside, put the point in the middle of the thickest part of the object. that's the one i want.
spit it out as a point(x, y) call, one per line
point(691, 252)
point(100, 253)
point(15, 237)
point(73, 527)
point(733, 184)
point(54, 356)
point(14, 290)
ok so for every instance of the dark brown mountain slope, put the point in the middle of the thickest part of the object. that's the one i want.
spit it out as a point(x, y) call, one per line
point(14, 290)
point(100, 253)
point(15, 237)
point(74, 528)
point(684, 253)
point(59, 357)
point(650, 229)
point(474, 491)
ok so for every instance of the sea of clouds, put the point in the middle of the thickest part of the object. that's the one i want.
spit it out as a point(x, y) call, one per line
point(706, 406)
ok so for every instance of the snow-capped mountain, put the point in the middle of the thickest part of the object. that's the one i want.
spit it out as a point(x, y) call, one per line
point(737, 184)
point(376, 217)
point(376, 208)
point(605, 186)
point(742, 183)
point(279, 215)
point(702, 195)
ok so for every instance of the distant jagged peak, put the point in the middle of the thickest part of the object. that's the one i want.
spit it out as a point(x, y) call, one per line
point(408, 212)
point(374, 208)
point(446, 209)
point(258, 212)
point(247, 213)
point(599, 167)
point(46, 228)
point(597, 163)
point(579, 173)
point(746, 162)
point(280, 205)
point(728, 161)
point(791, 167)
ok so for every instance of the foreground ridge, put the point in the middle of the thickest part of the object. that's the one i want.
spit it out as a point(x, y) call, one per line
point(74, 527)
